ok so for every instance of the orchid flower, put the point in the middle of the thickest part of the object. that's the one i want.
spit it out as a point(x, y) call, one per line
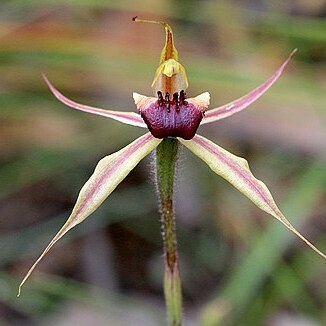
point(171, 118)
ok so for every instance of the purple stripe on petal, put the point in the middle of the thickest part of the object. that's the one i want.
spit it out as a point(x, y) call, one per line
point(91, 189)
point(130, 118)
point(241, 103)
point(236, 170)
point(109, 172)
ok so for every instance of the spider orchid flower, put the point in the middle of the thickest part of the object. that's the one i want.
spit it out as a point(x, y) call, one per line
point(170, 117)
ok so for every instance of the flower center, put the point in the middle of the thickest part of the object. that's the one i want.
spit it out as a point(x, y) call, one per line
point(175, 103)
point(173, 117)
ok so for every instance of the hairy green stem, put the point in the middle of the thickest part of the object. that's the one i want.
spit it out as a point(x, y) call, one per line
point(166, 156)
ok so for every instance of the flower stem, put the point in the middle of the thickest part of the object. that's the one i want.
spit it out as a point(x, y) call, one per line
point(166, 156)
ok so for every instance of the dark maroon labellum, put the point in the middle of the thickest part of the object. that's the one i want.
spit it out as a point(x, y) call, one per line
point(172, 118)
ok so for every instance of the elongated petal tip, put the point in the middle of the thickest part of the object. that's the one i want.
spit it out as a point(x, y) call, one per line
point(109, 172)
point(236, 170)
point(130, 118)
point(294, 52)
point(244, 101)
point(46, 80)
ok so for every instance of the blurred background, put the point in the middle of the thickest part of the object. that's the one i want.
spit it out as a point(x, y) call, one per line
point(239, 265)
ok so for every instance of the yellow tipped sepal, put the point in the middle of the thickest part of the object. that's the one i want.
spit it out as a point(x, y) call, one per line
point(170, 76)
point(169, 51)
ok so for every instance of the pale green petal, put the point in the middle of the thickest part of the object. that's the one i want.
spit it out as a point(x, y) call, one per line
point(236, 170)
point(109, 172)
